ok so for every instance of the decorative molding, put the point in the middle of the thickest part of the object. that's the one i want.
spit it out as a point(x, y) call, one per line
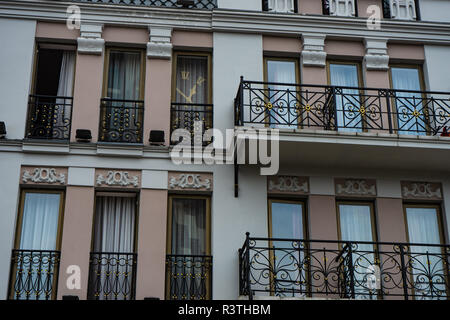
point(422, 190)
point(376, 57)
point(189, 181)
point(160, 46)
point(117, 178)
point(288, 184)
point(342, 8)
point(403, 9)
point(44, 175)
point(313, 53)
point(359, 187)
point(281, 6)
point(90, 40)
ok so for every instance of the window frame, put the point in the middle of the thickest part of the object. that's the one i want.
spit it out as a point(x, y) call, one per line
point(301, 202)
point(439, 217)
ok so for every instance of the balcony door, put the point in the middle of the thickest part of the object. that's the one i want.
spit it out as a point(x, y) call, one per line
point(356, 224)
point(36, 257)
point(410, 112)
point(113, 260)
point(347, 100)
point(122, 107)
point(427, 262)
point(282, 97)
point(50, 103)
point(192, 95)
point(286, 221)
point(188, 261)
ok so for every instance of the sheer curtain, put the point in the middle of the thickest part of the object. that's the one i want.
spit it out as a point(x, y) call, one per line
point(423, 227)
point(283, 98)
point(347, 105)
point(408, 102)
point(124, 75)
point(288, 265)
point(63, 108)
point(188, 226)
point(356, 225)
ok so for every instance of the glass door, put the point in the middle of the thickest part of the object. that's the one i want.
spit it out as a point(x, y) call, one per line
point(410, 112)
point(348, 101)
point(282, 98)
point(286, 221)
point(36, 257)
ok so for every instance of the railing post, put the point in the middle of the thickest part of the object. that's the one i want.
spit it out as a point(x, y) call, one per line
point(388, 108)
point(247, 246)
point(351, 270)
point(336, 124)
point(402, 263)
point(241, 104)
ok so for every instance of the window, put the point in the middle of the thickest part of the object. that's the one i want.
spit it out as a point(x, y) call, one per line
point(122, 107)
point(427, 259)
point(191, 92)
point(113, 260)
point(411, 114)
point(50, 103)
point(283, 98)
point(356, 224)
point(36, 257)
point(188, 262)
point(348, 102)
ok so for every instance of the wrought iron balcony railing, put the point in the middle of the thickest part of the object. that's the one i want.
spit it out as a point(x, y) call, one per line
point(34, 274)
point(188, 277)
point(193, 118)
point(302, 106)
point(112, 276)
point(121, 120)
point(196, 4)
point(49, 117)
point(339, 269)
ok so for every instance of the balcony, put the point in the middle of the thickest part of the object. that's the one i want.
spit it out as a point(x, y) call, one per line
point(348, 109)
point(34, 274)
point(112, 276)
point(188, 277)
point(195, 4)
point(343, 270)
point(192, 118)
point(121, 120)
point(49, 117)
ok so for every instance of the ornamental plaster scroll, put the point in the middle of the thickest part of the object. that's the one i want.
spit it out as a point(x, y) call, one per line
point(159, 45)
point(421, 190)
point(117, 178)
point(356, 187)
point(288, 184)
point(90, 40)
point(189, 181)
point(43, 175)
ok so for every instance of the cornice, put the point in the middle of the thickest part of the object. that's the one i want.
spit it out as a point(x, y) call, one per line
point(225, 20)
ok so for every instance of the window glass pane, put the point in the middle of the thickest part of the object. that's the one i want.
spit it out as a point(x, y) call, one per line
point(287, 220)
point(192, 79)
point(347, 104)
point(189, 226)
point(124, 75)
point(355, 221)
point(40, 221)
point(282, 97)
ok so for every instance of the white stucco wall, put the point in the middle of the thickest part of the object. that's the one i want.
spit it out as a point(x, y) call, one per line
point(437, 68)
point(16, 57)
point(240, 4)
point(435, 10)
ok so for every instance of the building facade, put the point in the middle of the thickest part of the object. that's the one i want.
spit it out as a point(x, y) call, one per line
point(94, 206)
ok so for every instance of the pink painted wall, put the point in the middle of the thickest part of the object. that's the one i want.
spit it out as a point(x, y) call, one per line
point(314, 75)
point(310, 6)
point(158, 83)
point(281, 44)
point(76, 237)
point(192, 39)
point(49, 30)
point(407, 52)
point(364, 4)
point(87, 94)
point(150, 281)
point(125, 35)
point(322, 218)
point(344, 48)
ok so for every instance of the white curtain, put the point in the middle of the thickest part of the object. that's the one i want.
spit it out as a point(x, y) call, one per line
point(40, 221)
point(407, 103)
point(347, 105)
point(188, 226)
point(356, 225)
point(124, 75)
point(192, 79)
point(423, 227)
point(283, 98)
point(288, 265)
point(63, 108)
